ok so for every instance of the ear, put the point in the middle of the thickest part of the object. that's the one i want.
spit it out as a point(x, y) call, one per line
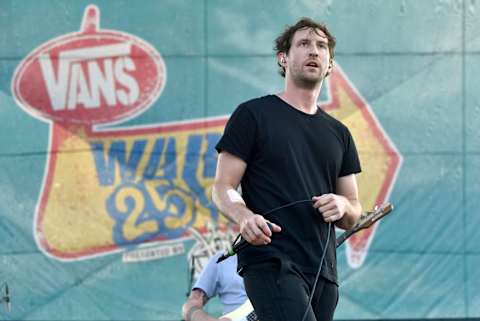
point(330, 67)
point(281, 59)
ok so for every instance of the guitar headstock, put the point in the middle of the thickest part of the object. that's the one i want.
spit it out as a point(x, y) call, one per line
point(368, 218)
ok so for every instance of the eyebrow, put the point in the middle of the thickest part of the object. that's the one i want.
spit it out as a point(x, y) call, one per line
point(323, 40)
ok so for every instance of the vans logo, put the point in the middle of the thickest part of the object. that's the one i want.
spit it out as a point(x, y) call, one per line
point(91, 76)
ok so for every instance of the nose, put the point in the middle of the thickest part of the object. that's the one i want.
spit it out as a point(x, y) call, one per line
point(313, 52)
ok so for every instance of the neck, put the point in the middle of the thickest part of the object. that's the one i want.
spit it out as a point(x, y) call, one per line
point(303, 99)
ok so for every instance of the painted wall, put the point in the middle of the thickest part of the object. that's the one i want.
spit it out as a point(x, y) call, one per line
point(110, 114)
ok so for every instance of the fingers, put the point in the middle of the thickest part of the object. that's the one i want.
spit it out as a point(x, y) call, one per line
point(248, 235)
point(257, 231)
point(274, 227)
point(328, 207)
point(266, 228)
point(253, 233)
point(331, 215)
point(321, 200)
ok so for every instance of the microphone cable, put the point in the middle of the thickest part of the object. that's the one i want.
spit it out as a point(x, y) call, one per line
point(240, 243)
point(312, 292)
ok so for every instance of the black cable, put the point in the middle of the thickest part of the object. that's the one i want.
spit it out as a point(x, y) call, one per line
point(312, 292)
point(287, 205)
point(240, 243)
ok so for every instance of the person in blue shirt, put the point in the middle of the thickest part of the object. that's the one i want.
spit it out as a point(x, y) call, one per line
point(220, 280)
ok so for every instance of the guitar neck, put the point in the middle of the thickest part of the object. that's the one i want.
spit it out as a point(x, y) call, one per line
point(366, 220)
point(342, 238)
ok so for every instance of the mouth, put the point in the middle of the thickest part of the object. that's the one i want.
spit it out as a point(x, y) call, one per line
point(312, 64)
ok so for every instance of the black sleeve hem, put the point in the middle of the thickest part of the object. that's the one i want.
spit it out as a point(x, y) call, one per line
point(222, 148)
point(346, 173)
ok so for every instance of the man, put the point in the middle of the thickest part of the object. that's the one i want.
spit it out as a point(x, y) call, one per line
point(296, 165)
point(216, 279)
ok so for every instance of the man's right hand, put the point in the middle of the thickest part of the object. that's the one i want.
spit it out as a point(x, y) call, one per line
point(255, 230)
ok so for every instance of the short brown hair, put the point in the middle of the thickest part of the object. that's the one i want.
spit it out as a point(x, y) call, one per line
point(284, 41)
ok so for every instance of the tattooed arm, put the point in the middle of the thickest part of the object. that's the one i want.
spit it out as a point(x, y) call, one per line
point(192, 310)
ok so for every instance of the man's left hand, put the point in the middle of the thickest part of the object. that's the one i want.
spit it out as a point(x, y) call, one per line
point(331, 206)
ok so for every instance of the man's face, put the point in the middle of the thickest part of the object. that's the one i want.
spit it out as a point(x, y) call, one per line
point(308, 60)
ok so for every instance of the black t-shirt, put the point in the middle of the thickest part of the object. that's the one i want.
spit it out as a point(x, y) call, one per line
point(291, 156)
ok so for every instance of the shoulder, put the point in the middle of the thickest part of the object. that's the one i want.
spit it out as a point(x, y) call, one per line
point(252, 111)
point(258, 104)
point(335, 123)
point(211, 267)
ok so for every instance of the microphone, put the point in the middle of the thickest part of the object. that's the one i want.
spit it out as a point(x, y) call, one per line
point(237, 246)
point(231, 251)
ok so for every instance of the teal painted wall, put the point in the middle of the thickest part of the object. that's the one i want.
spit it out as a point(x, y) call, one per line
point(415, 63)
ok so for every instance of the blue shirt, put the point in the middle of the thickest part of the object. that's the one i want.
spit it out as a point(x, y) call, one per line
point(223, 280)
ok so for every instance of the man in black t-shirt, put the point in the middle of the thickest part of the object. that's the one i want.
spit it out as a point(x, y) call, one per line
point(296, 166)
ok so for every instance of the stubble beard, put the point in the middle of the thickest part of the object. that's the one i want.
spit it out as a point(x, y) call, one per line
point(303, 80)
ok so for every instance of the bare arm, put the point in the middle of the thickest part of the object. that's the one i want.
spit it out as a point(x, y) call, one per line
point(253, 227)
point(230, 170)
point(343, 207)
point(192, 310)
